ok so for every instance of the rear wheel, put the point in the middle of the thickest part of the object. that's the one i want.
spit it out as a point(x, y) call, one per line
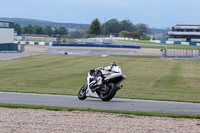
point(82, 93)
point(109, 93)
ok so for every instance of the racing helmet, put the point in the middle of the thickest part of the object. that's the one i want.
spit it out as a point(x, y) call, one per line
point(113, 64)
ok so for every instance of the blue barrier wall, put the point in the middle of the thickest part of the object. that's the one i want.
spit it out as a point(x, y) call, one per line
point(36, 43)
point(162, 41)
point(176, 42)
point(95, 45)
point(33, 43)
point(192, 43)
point(8, 47)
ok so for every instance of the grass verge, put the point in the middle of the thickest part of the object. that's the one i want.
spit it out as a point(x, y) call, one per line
point(175, 46)
point(148, 77)
point(67, 40)
point(62, 40)
point(138, 113)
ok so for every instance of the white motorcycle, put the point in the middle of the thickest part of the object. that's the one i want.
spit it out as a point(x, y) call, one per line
point(106, 91)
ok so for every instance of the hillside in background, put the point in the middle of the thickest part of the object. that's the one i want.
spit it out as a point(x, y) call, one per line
point(42, 23)
point(160, 33)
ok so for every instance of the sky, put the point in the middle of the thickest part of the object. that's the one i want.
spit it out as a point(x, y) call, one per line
point(154, 13)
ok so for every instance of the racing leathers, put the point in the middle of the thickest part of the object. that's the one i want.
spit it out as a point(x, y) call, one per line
point(98, 78)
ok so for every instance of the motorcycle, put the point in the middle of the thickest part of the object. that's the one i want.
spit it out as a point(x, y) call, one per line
point(110, 85)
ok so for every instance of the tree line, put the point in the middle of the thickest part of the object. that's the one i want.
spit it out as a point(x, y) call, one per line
point(124, 28)
point(36, 29)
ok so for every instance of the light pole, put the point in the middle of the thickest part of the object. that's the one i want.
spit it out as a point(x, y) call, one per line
point(104, 27)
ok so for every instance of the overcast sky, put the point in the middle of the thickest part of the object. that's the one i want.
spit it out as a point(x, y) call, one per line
point(154, 13)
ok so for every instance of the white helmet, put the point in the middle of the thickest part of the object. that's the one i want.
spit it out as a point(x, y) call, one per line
point(113, 64)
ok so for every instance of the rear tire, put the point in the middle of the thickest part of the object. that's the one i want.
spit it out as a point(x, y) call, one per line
point(112, 89)
point(82, 93)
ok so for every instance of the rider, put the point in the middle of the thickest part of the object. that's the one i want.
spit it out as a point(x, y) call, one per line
point(98, 74)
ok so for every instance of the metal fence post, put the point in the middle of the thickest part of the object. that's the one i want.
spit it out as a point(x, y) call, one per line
point(192, 52)
point(199, 52)
point(22, 48)
point(163, 51)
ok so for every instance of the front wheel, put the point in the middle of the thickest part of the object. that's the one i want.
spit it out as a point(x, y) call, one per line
point(82, 93)
point(110, 92)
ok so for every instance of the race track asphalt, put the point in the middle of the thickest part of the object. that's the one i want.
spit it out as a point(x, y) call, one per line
point(94, 103)
point(7, 56)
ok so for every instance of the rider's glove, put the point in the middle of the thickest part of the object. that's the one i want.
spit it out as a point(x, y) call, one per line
point(92, 71)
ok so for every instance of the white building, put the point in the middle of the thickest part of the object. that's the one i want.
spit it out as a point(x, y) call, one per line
point(185, 33)
point(7, 36)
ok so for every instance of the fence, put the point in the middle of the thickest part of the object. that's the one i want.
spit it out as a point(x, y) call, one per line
point(109, 39)
point(95, 45)
point(175, 42)
point(34, 43)
point(95, 40)
point(180, 53)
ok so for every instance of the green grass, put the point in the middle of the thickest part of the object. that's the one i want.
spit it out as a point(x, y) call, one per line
point(148, 77)
point(68, 40)
point(44, 39)
point(175, 46)
point(40, 39)
point(54, 108)
point(140, 41)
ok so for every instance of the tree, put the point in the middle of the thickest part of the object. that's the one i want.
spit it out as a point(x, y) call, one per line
point(124, 34)
point(36, 29)
point(62, 30)
point(47, 30)
point(28, 29)
point(128, 34)
point(55, 31)
point(95, 27)
point(140, 32)
point(112, 26)
point(76, 34)
point(142, 28)
point(18, 28)
point(126, 25)
point(79, 33)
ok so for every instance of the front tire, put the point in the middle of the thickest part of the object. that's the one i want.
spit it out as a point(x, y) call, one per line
point(112, 89)
point(82, 93)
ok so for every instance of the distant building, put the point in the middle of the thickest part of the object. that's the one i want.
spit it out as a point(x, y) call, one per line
point(28, 37)
point(185, 33)
point(34, 37)
point(7, 36)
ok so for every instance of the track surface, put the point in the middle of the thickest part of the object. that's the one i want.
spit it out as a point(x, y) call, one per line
point(114, 104)
point(89, 52)
point(7, 56)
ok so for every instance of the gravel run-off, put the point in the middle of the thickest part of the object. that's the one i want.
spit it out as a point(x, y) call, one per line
point(37, 121)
